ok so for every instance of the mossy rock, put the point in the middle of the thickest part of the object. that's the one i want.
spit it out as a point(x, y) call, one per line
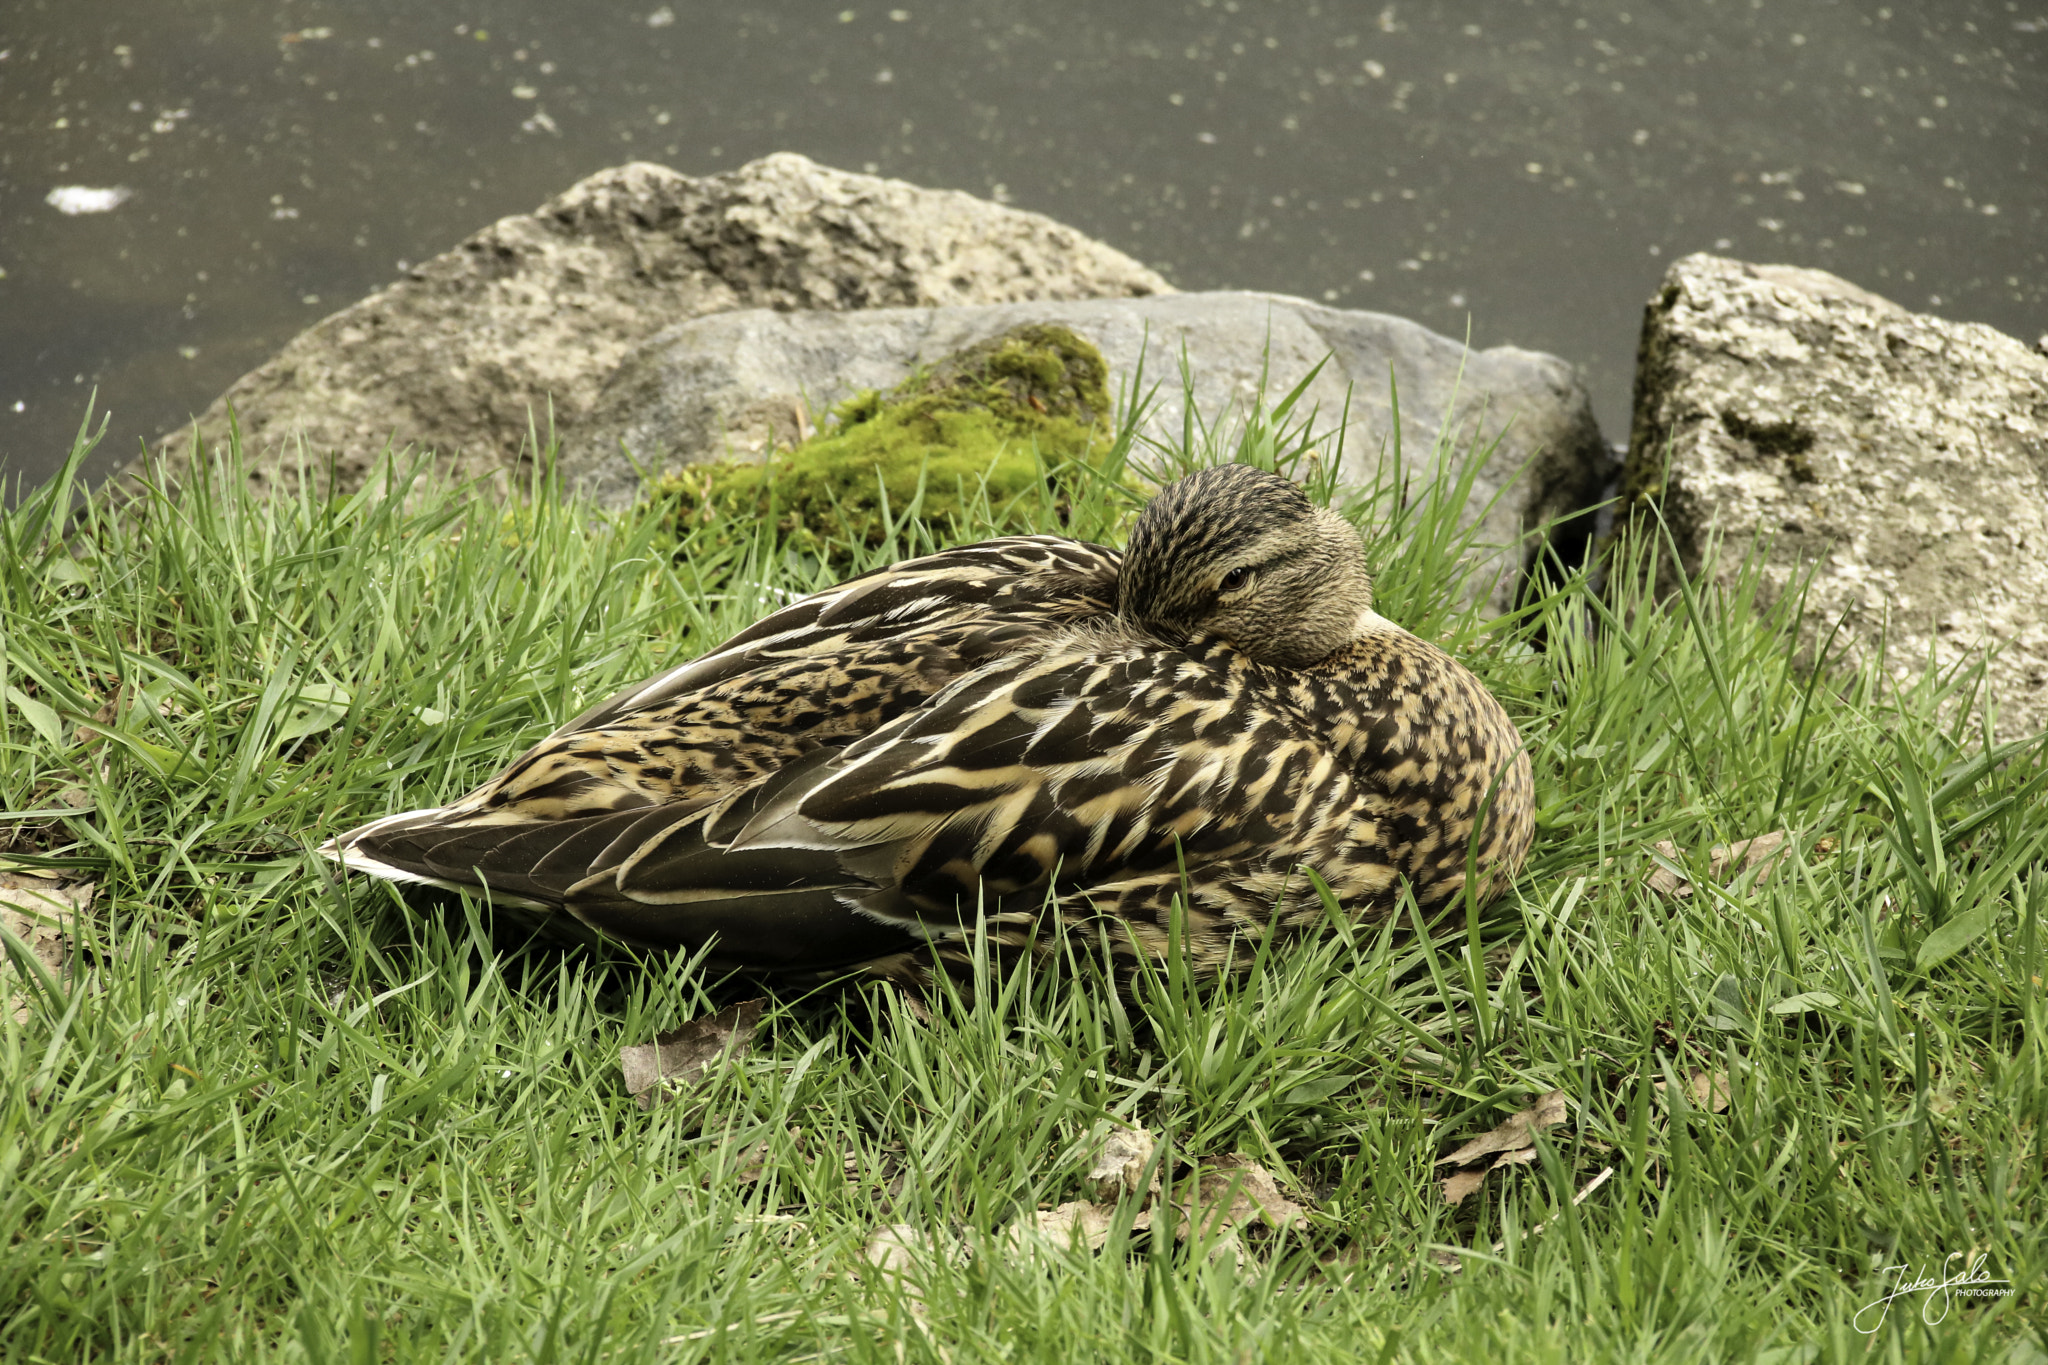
point(993, 431)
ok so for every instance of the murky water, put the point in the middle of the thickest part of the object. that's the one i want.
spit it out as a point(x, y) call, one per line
point(1524, 169)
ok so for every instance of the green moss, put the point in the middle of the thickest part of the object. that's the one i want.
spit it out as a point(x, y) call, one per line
point(990, 434)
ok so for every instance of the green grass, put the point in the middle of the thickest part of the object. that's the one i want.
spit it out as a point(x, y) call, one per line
point(277, 1116)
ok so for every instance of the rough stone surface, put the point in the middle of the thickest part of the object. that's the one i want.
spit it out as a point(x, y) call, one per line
point(541, 306)
point(1814, 423)
point(743, 383)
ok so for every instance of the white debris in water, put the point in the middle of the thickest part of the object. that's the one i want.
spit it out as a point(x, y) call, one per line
point(661, 18)
point(76, 199)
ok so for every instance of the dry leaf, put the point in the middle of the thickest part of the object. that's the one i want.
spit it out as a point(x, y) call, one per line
point(1231, 1192)
point(1076, 1222)
point(1765, 851)
point(1706, 1090)
point(40, 915)
point(1514, 1132)
point(903, 1253)
point(1663, 880)
point(751, 1164)
point(107, 715)
point(675, 1061)
point(1458, 1184)
point(896, 1249)
point(1227, 1247)
point(1120, 1164)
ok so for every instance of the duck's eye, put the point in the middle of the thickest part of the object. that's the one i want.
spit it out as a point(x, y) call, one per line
point(1235, 579)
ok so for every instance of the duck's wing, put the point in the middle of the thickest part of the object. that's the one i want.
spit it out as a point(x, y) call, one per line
point(816, 674)
point(952, 599)
point(1095, 768)
point(774, 911)
point(822, 671)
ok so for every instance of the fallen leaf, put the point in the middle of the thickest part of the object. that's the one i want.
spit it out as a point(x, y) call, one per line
point(1663, 880)
point(904, 1253)
point(1233, 1192)
point(751, 1164)
point(896, 1253)
point(1120, 1164)
point(1458, 1184)
point(1078, 1222)
point(1513, 1133)
point(1765, 852)
point(109, 712)
point(40, 916)
point(1706, 1090)
point(895, 1249)
point(677, 1060)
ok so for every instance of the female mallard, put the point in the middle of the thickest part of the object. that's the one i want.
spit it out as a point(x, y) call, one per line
point(1007, 731)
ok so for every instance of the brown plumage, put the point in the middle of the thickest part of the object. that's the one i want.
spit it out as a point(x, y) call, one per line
point(1034, 730)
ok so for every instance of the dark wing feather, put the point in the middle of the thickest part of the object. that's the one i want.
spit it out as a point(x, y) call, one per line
point(1057, 769)
point(698, 749)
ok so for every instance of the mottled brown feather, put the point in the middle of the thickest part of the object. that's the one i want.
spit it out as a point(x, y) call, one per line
point(1033, 731)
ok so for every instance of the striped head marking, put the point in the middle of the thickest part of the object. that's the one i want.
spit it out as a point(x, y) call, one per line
point(1237, 552)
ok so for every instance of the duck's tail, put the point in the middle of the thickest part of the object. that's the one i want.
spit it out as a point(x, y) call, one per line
point(775, 909)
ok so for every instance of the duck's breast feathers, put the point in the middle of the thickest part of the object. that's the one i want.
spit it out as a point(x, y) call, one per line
point(1425, 733)
point(1016, 581)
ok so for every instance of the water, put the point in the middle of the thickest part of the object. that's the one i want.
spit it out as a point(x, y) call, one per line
point(1523, 170)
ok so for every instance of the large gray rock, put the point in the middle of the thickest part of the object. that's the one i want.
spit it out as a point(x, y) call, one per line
point(742, 383)
point(1904, 457)
point(459, 356)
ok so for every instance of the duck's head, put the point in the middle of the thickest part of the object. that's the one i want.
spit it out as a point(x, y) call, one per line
point(1238, 552)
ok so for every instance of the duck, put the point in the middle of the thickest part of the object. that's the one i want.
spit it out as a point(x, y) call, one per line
point(1031, 738)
